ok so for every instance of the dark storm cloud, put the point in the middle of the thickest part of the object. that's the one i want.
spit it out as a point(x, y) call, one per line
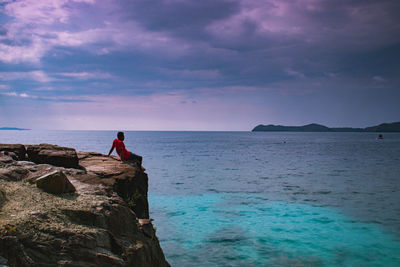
point(185, 19)
point(272, 40)
point(260, 23)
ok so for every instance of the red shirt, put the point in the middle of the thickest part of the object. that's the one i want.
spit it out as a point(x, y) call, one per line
point(120, 147)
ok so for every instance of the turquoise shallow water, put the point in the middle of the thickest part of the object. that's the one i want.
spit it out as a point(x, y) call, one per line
point(263, 199)
point(249, 230)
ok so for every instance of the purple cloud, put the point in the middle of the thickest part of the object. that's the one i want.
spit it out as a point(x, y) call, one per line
point(266, 58)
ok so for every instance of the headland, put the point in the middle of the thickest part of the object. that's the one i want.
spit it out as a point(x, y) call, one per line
point(313, 127)
point(61, 207)
point(13, 129)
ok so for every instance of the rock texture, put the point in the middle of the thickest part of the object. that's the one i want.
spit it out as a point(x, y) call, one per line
point(2, 198)
point(104, 223)
point(55, 182)
point(18, 149)
point(54, 155)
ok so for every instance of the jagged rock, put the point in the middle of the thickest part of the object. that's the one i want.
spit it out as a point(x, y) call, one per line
point(97, 226)
point(127, 181)
point(146, 227)
point(53, 154)
point(18, 149)
point(55, 182)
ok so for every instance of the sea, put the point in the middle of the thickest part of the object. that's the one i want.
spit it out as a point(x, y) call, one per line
point(263, 198)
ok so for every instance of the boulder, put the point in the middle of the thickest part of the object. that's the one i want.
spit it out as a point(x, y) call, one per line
point(18, 149)
point(53, 155)
point(55, 182)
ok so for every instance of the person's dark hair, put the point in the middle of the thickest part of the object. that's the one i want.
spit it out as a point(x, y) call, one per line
point(120, 135)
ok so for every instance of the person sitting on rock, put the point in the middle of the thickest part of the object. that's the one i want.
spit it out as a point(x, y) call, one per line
point(123, 153)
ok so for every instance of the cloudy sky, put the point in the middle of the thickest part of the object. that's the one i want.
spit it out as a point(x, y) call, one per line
point(198, 65)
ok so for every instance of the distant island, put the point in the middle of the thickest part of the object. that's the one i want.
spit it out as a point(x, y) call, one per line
point(313, 127)
point(11, 128)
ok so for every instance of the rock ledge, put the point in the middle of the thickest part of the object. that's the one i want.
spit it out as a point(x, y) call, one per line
point(105, 222)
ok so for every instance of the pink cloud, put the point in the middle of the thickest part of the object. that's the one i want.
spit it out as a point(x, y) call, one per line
point(37, 12)
point(32, 28)
point(85, 75)
point(36, 75)
point(15, 94)
point(312, 21)
point(38, 26)
point(267, 16)
point(23, 53)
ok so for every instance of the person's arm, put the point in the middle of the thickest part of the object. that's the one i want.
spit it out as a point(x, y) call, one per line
point(111, 150)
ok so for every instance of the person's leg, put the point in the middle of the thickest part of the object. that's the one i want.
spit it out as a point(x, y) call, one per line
point(136, 158)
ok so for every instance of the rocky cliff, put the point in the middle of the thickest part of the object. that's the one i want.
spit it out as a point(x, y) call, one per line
point(59, 207)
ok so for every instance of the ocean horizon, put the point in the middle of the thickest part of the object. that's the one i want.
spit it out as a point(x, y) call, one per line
point(240, 198)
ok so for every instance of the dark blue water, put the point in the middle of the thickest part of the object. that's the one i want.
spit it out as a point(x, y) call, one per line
point(256, 199)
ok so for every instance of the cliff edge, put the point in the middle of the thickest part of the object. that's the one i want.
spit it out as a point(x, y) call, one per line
point(90, 209)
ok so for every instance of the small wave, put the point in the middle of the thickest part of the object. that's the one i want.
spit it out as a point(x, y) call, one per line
point(176, 213)
point(322, 220)
point(300, 193)
point(322, 192)
point(227, 239)
point(213, 190)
